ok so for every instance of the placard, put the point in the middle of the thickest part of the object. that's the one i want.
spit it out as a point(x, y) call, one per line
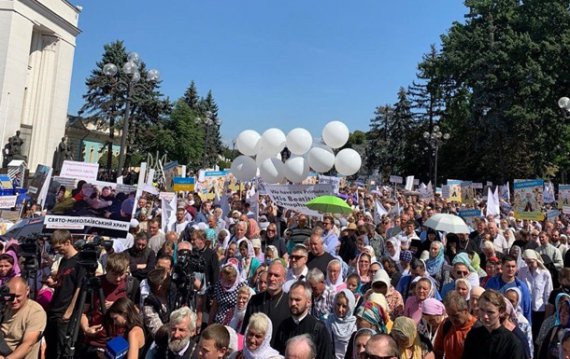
point(79, 170)
point(528, 199)
point(396, 179)
point(295, 197)
point(7, 202)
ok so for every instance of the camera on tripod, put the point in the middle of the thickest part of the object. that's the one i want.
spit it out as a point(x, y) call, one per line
point(187, 265)
point(30, 252)
point(89, 252)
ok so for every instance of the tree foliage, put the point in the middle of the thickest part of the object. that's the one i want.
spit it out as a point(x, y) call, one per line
point(493, 86)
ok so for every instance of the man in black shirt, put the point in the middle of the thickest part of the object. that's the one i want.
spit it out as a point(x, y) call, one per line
point(141, 257)
point(301, 322)
point(318, 256)
point(68, 282)
point(273, 302)
point(492, 340)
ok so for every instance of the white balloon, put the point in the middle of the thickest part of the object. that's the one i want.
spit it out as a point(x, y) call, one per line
point(273, 141)
point(263, 156)
point(299, 141)
point(246, 142)
point(347, 162)
point(272, 170)
point(321, 158)
point(335, 134)
point(243, 168)
point(296, 169)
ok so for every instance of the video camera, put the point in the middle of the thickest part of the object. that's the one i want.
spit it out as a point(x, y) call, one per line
point(89, 252)
point(30, 251)
point(188, 263)
point(6, 296)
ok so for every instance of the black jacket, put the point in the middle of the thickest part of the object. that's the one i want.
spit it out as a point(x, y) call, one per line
point(309, 325)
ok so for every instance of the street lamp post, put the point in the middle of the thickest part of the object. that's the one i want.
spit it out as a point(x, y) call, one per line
point(131, 69)
point(435, 139)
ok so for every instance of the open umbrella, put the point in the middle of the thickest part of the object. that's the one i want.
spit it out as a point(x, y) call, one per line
point(329, 204)
point(449, 223)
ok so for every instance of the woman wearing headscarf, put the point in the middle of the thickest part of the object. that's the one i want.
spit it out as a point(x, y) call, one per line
point(334, 276)
point(405, 261)
point(257, 340)
point(393, 249)
point(549, 346)
point(539, 283)
point(422, 291)
point(248, 262)
point(226, 294)
point(513, 295)
point(474, 300)
point(362, 268)
point(271, 254)
point(517, 252)
point(435, 264)
point(412, 344)
point(252, 229)
point(433, 314)
point(463, 287)
point(509, 321)
point(342, 322)
point(358, 346)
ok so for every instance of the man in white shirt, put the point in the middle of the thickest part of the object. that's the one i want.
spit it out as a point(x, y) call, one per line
point(156, 236)
point(297, 266)
point(180, 225)
point(499, 242)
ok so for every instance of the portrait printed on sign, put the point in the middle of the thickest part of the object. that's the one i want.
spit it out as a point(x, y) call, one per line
point(528, 199)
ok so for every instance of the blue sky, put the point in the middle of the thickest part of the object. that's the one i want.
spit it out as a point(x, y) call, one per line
point(281, 64)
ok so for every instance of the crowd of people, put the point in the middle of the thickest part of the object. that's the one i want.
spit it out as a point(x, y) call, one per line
point(260, 281)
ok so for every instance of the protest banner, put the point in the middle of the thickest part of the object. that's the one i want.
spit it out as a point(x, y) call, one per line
point(528, 199)
point(211, 183)
point(477, 185)
point(563, 195)
point(79, 170)
point(39, 185)
point(416, 182)
point(454, 190)
point(409, 183)
point(169, 171)
point(168, 206)
point(185, 184)
point(443, 190)
point(396, 179)
point(7, 202)
point(93, 207)
point(469, 216)
point(505, 192)
point(334, 181)
point(467, 193)
point(17, 173)
point(294, 197)
point(548, 194)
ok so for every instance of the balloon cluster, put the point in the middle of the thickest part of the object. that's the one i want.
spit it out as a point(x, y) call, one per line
point(306, 155)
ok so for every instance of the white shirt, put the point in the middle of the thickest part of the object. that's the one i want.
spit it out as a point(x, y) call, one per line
point(539, 284)
point(180, 227)
point(292, 278)
point(500, 243)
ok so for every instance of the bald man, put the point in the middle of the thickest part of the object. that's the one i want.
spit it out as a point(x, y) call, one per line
point(23, 322)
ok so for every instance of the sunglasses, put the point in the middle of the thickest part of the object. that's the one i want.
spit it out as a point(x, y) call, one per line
point(462, 273)
point(296, 258)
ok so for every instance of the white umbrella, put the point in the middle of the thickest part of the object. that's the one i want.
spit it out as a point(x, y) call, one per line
point(449, 223)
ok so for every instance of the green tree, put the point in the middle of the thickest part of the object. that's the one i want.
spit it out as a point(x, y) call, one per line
point(192, 98)
point(107, 96)
point(211, 121)
point(188, 148)
point(378, 140)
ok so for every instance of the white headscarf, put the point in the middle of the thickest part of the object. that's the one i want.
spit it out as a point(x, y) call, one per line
point(264, 351)
point(396, 243)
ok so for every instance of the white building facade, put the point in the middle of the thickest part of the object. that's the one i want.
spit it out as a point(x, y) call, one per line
point(37, 45)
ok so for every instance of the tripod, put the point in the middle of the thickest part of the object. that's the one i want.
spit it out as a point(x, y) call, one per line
point(90, 285)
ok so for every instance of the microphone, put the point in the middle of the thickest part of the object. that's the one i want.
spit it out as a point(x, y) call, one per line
point(117, 348)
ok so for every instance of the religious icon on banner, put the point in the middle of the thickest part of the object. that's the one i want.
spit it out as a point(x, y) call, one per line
point(528, 199)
